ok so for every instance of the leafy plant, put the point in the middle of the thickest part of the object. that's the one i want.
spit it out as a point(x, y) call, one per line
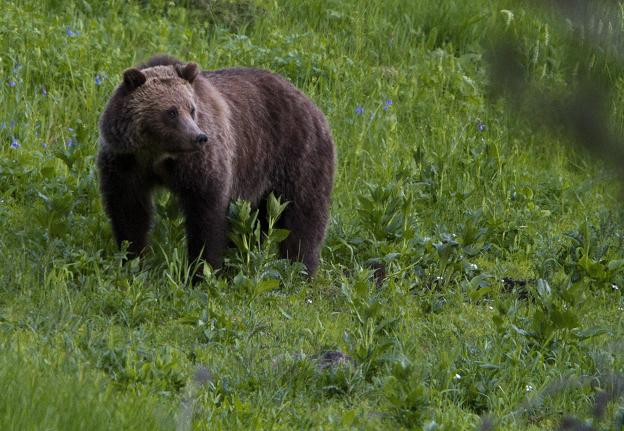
point(371, 338)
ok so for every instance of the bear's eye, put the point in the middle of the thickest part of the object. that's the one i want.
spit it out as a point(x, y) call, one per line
point(193, 112)
point(172, 113)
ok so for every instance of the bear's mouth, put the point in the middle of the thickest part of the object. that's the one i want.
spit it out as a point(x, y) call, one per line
point(184, 150)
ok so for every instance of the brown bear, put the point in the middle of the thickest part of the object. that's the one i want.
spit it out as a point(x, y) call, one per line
point(210, 137)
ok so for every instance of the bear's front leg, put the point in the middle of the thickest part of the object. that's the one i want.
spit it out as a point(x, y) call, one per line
point(206, 225)
point(127, 200)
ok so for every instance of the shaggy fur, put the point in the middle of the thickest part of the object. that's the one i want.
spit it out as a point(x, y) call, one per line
point(211, 137)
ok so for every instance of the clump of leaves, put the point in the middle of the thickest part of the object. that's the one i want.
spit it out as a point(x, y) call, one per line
point(256, 241)
point(555, 317)
point(405, 393)
point(371, 339)
point(386, 212)
point(587, 259)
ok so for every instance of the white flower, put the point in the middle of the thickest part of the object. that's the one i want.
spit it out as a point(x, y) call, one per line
point(309, 301)
point(528, 388)
point(457, 376)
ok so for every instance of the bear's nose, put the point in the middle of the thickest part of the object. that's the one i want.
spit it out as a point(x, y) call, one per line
point(202, 138)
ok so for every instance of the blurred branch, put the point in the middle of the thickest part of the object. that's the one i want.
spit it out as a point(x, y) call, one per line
point(580, 108)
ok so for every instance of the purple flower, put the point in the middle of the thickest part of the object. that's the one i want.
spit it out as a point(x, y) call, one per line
point(388, 102)
point(481, 126)
point(70, 142)
point(70, 129)
point(385, 108)
point(98, 79)
point(44, 92)
point(12, 83)
point(44, 145)
point(15, 143)
point(359, 110)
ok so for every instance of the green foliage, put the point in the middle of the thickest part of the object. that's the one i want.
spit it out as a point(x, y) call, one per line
point(473, 262)
point(256, 243)
point(371, 339)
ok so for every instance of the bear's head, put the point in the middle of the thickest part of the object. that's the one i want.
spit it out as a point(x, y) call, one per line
point(155, 110)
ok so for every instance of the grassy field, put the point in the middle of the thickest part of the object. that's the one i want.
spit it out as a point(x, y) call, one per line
point(501, 244)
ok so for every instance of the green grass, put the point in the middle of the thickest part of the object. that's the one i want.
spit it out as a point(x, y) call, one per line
point(446, 188)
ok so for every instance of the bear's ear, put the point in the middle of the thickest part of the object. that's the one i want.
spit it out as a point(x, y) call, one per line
point(188, 72)
point(133, 79)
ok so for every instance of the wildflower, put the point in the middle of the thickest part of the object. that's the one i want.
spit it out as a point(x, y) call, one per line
point(70, 129)
point(70, 142)
point(12, 124)
point(457, 376)
point(44, 92)
point(15, 143)
point(529, 388)
point(388, 102)
point(44, 145)
point(359, 110)
point(99, 78)
point(70, 33)
point(481, 126)
point(12, 83)
point(309, 301)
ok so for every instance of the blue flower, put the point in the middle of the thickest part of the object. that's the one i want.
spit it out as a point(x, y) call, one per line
point(15, 143)
point(12, 124)
point(359, 110)
point(44, 145)
point(388, 102)
point(385, 108)
point(70, 129)
point(481, 126)
point(44, 92)
point(70, 142)
point(98, 79)
point(12, 83)
point(70, 33)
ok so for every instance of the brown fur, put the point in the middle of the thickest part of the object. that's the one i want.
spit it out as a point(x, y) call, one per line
point(252, 133)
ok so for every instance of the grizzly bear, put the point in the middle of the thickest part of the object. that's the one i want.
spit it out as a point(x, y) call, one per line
point(211, 137)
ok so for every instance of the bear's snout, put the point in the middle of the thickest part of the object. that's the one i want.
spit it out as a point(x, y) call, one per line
point(202, 138)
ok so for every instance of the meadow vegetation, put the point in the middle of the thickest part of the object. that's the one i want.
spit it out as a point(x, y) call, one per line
point(473, 266)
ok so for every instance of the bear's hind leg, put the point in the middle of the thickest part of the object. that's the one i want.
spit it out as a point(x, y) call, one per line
point(307, 225)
